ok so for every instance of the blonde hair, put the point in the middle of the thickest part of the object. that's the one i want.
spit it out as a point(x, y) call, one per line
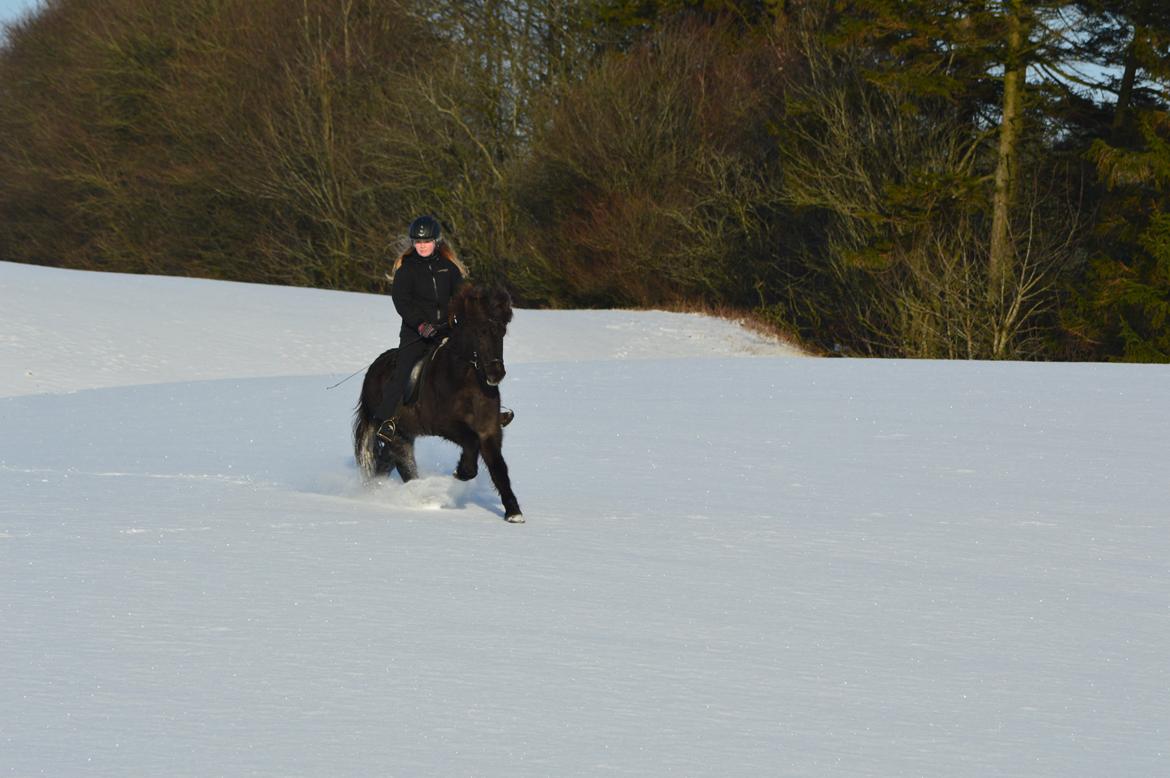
point(443, 250)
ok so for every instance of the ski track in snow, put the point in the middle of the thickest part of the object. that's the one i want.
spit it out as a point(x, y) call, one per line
point(736, 561)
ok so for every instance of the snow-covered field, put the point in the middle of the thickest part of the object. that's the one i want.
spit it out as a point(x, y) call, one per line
point(737, 561)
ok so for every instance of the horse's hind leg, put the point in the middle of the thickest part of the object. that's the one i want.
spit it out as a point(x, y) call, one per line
point(373, 462)
point(402, 451)
point(493, 457)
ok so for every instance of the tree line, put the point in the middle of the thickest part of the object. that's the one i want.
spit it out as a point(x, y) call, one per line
point(914, 178)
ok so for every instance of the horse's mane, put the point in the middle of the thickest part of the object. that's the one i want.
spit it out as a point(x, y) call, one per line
point(475, 303)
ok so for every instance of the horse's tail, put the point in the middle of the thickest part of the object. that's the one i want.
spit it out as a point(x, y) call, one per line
point(363, 413)
point(363, 418)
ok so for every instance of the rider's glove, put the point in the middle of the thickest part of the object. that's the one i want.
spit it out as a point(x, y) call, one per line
point(427, 330)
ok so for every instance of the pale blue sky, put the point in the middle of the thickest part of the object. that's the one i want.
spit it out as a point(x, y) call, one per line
point(10, 9)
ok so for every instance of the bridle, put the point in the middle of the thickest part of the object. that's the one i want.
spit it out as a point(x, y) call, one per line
point(474, 360)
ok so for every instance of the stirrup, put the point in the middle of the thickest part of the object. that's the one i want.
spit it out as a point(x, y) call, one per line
point(506, 416)
point(385, 431)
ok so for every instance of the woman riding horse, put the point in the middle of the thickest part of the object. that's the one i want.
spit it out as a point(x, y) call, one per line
point(426, 277)
point(458, 398)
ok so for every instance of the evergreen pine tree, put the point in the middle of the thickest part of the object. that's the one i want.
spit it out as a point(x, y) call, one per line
point(1119, 308)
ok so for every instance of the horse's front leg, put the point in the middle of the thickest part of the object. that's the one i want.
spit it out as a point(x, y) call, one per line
point(468, 466)
point(493, 457)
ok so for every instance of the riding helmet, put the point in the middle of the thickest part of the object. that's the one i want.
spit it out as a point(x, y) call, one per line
point(425, 228)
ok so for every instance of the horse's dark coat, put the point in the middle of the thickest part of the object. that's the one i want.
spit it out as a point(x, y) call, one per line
point(458, 398)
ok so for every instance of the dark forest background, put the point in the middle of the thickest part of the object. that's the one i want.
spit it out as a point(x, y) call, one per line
point(915, 178)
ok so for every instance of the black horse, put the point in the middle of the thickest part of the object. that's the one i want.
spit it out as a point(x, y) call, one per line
point(457, 398)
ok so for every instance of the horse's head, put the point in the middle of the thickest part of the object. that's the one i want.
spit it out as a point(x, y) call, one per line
point(483, 316)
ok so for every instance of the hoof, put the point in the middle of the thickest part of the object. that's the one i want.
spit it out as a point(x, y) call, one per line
point(515, 518)
point(462, 476)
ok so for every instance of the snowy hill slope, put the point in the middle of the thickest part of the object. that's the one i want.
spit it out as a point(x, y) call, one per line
point(736, 562)
point(73, 331)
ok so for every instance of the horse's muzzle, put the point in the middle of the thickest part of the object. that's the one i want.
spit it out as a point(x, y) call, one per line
point(493, 372)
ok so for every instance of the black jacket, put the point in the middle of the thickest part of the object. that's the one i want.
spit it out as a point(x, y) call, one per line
point(423, 289)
